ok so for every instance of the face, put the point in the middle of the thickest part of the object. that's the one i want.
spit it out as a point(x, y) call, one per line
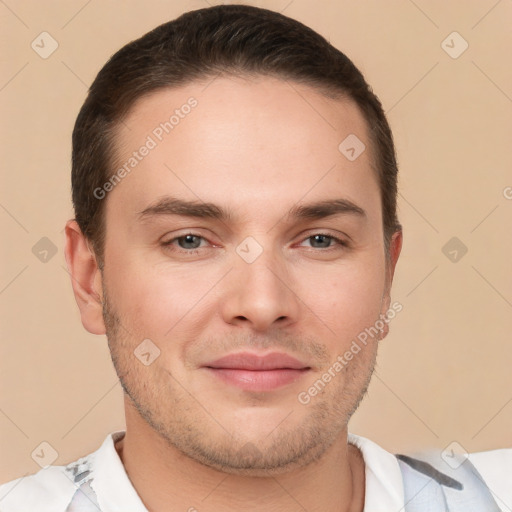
point(243, 231)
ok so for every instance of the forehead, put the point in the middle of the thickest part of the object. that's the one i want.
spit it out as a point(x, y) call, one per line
point(241, 140)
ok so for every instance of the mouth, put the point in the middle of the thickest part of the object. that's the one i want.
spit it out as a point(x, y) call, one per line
point(253, 372)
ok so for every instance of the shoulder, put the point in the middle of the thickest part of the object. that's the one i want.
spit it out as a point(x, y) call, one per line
point(482, 479)
point(495, 467)
point(393, 477)
point(50, 489)
point(493, 462)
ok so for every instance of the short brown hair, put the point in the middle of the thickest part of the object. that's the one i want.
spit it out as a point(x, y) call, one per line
point(229, 39)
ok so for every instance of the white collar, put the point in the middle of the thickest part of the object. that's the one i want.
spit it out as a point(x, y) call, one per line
point(384, 484)
point(113, 488)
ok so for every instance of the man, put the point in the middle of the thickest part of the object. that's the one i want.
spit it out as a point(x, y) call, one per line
point(234, 184)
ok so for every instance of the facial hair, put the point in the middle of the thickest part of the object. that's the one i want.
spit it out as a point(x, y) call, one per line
point(185, 424)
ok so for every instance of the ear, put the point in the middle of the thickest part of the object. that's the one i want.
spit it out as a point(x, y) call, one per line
point(395, 247)
point(85, 278)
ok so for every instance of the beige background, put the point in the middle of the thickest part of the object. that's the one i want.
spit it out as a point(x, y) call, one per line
point(444, 373)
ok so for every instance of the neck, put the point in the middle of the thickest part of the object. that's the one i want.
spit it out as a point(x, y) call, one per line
point(163, 477)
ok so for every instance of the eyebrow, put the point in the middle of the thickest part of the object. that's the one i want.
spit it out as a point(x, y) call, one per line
point(316, 210)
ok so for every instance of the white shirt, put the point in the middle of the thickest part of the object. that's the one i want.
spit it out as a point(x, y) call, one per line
point(98, 482)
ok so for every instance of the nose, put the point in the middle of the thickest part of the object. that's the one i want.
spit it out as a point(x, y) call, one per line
point(260, 295)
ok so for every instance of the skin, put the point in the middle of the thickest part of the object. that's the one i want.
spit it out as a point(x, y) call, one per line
point(256, 147)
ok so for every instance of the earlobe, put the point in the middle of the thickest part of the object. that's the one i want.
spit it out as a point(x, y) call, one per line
point(395, 247)
point(86, 278)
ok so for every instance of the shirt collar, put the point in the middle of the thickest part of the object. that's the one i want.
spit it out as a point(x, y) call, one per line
point(384, 484)
point(111, 484)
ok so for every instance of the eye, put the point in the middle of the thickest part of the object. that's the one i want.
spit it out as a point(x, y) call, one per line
point(324, 241)
point(188, 242)
point(191, 243)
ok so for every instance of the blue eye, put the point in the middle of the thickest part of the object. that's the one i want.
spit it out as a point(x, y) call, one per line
point(187, 243)
point(191, 243)
point(324, 241)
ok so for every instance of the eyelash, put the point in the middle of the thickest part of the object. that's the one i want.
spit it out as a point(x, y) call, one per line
point(170, 243)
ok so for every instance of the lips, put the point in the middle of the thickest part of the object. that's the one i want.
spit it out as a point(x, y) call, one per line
point(253, 372)
point(250, 361)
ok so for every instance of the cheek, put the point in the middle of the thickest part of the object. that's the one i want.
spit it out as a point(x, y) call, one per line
point(347, 299)
point(158, 300)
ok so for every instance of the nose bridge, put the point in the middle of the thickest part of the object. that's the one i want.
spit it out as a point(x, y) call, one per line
point(260, 292)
